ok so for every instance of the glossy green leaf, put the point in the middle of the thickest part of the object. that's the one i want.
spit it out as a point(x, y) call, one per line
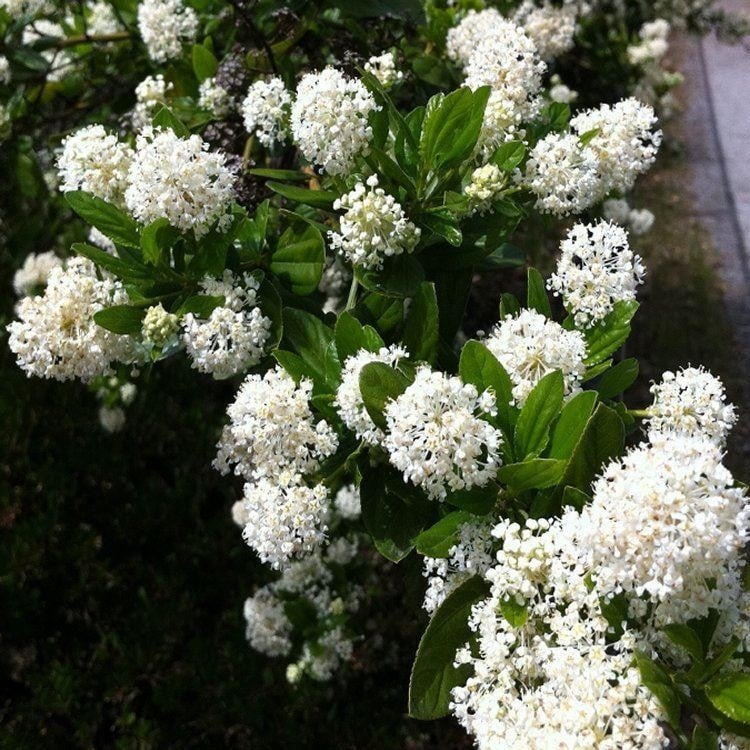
point(379, 384)
point(421, 331)
point(123, 319)
point(299, 260)
point(541, 407)
point(317, 198)
point(730, 694)
point(515, 614)
point(568, 429)
point(441, 536)
point(205, 64)
point(537, 294)
point(536, 474)
point(618, 379)
point(108, 219)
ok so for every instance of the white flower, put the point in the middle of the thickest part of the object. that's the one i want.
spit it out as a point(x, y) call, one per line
point(127, 393)
point(437, 438)
point(563, 174)
point(165, 25)
point(233, 337)
point(150, 93)
point(485, 186)
point(4, 69)
point(180, 180)
point(329, 652)
point(625, 143)
point(284, 521)
point(666, 520)
point(373, 227)
point(383, 67)
point(640, 220)
point(16, 8)
point(268, 628)
point(101, 241)
point(214, 98)
point(56, 337)
point(596, 269)
point(561, 93)
point(265, 110)
point(112, 419)
point(102, 19)
point(34, 272)
point(464, 38)
point(272, 429)
point(657, 29)
point(529, 346)
point(692, 403)
point(95, 161)
point(617, 210)
point(348, 399)
point(347, 503)
point(550, 28)
point(329, 119)
point(159, 326)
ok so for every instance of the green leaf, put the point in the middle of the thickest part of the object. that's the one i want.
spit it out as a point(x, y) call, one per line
point(730, 694)
point(660, 684)
point(351, 336)
point(200, 305)
point(120, 318)
point(610, 334)
point(509, 305)
point(685, 637)
point(421, 331)
point(410, 10)
point(111, 263)
point(444, 225)
point(393, 513)
point(293, 364)
point(575, 498)
point(441, 536)
point(205, 64)
point(505, 256)
point(541, 407)
point(156, 240)
point(478, 501)
point(451, 127)
point(379, 384)
point(536, 474)
point(108, 219)
point(479, 367)
point(537, 294)
point(569, 427)
point(618, 378)
point(280, 174)
point(270, 304)
point(168, 120)
point(399, 277)
point(704, 739)
point(433, 675)
point(309, 337)
point(516, 614)
point(317, 198)
point(509, 155)
point(385, 313)
point(299, 260)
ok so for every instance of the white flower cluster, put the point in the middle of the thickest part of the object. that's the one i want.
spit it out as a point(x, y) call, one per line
point(464, 37)
point(178, 179)
point(347, 503)
point(383, 67)
point(596, 269)
point(233, 336)
point(268, 628)
point(561, 93)
point(471, 555)
point(550, 28)
point(689, 403)
point(547, 675)
point(637, 220)
point(55, 335)
point(17, 8)
point(102, 19)
point(150, 93)
point(112, 418)
point(95, 161)
point(437, 437)
point(265, 111)
point(373, 227)
point(329, 119)
point(164, 26)
point(485, 186)
point(348, 400)
point(625, 144)
point(529, 346)
point(32, 276)
point(214, 98)
point(4, 69)
point(653, 43)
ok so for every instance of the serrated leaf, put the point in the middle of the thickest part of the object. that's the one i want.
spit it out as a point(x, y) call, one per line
point(299, 260)
point(399, 277)
point(168, 120)
point(108, 219)
point(441, 536)
point(541, 407)
point(730, 694)
point(569, 427)
point(610, 334)
point(309, 338)
point(536, 474)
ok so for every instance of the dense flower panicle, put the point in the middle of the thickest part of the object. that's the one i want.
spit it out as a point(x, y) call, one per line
point(653, 45)
point(159, 327)
point(596, 269)
point(691, 403)
point(164, 26)
point(485, 186)
point(436, 435)
point(95, 161)
point(553, 678)
point(16, 8)
point(265, 111)
point(373, 227)
point(150, 94)
point(331, 650)
point(626, 141)
point(180, 180)
point(562, 174)
point(32, 276)
point(234, 335)
point(214, 98)
point(56, 336)
point(561, 93)
point(329, 119)
point(348, 400)
point(5, 74)
point(347, 502)
point(665, 520)
point(268, 629)
point(383, 67)
point(272, 429)
point(112, 418)
point(285, 520)
point(471, 555)
point(638, 221)
point(550, 28)
point(529, 346)
point(462, 39)
point(102, 19)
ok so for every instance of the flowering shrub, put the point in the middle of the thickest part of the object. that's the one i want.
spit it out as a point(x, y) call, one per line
point(303, 226)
